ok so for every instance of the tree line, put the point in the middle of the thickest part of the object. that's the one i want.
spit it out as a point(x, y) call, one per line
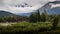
point(12, 18)
point(44, 17)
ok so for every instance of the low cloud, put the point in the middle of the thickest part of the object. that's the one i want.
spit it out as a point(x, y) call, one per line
point(8, 5)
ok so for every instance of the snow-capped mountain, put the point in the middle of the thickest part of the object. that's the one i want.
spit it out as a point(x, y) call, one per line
point(55, 10)
point(51, 7)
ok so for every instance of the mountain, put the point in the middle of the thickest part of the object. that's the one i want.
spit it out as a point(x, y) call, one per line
point(55, 10)
point(47, 7)
point(23, 14)
point(5, 13)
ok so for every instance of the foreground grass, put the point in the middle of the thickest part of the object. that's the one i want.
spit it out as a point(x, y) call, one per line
point(28, 28)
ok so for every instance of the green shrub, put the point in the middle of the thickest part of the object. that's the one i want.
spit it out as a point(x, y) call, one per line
point(55, 22)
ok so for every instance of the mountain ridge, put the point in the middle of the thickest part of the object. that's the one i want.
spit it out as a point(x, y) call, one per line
point(6, 13)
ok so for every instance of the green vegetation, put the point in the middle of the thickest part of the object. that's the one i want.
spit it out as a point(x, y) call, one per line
point(25, 27)
point(12, 18)
point(55, 22)
point(35, 17)
point(44, 16)
point(29, 28)
point(36, 23)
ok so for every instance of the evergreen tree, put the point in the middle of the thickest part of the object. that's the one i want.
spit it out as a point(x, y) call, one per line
point(32, 18)
point(44, 16)
point(55, 22)
point(38, 16)
point(35, 17)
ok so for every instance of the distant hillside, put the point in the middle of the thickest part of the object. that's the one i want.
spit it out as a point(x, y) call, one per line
point(23, 14)
point(5, 13)
point(55, 10)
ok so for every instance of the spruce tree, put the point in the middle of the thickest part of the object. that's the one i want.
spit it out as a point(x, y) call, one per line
point(35, 16)
point(44, 16)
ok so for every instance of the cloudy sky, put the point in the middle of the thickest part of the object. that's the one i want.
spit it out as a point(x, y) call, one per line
point(9, 5)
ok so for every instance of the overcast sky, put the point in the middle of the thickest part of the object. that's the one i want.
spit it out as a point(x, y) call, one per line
point(9, 5)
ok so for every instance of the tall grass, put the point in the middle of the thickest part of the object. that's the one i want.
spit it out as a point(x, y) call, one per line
point(24, 27)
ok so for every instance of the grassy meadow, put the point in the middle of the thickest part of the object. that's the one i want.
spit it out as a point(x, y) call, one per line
point(29, 28)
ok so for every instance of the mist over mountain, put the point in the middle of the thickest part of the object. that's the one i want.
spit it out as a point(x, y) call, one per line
point(47, 7)
point(23, 14)
point(55, 10)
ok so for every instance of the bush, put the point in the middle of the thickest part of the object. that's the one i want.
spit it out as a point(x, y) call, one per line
point(55, 22)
